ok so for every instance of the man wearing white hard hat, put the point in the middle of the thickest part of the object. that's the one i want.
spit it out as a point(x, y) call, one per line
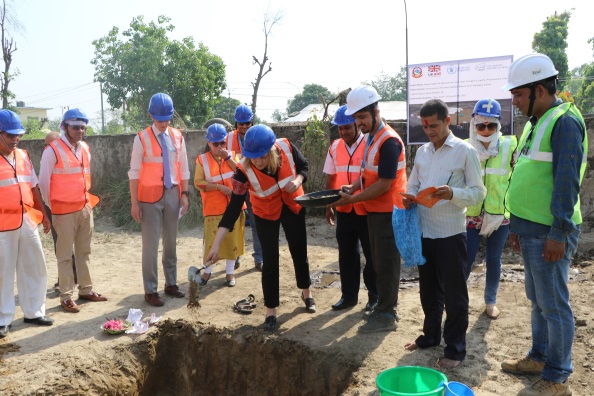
point(544, 202)
point(21, 210)
point(383, 178)
point(65, 181)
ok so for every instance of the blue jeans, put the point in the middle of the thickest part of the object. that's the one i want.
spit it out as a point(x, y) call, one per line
point(494, 247)
point(552, 318)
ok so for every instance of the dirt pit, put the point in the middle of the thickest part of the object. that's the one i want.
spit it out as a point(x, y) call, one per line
point(189, 359)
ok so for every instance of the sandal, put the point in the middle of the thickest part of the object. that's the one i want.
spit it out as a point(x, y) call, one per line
point(310, 304)
point(246, 305)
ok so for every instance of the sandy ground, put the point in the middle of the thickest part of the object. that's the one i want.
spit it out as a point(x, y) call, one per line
point(76, 357)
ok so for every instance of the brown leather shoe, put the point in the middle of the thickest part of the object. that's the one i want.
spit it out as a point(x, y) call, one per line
point(154, 299)
point(174, 291)
point(92, 296)
point(70, 306)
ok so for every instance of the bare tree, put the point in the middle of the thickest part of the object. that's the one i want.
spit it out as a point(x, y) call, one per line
point(269, 21)
point(7, 22)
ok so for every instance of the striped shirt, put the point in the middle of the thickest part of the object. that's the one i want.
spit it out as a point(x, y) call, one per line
point(456, 164)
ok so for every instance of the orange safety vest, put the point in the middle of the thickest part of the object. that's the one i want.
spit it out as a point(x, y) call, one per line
point(369, 174)
point(266, 192)
point(233, 143)
point(215, 202)
point(150, 182)
point(15, 189)
point(348, 169)
point(71, 179)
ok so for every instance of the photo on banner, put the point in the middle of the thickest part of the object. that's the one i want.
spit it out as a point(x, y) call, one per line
point(460, 84)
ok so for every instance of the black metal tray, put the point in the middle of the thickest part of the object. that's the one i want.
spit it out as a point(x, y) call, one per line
point(318, 198)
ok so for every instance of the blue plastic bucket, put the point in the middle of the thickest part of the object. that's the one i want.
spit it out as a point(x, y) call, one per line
point(411, 381)
point(457, 389)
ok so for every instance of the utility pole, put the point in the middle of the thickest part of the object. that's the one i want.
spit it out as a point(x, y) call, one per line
point(102, 113)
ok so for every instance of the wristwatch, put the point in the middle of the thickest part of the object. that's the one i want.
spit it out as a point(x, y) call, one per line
point(187, 193)
point(228, 157)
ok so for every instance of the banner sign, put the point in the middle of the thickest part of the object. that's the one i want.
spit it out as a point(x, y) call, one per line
point(460, 84)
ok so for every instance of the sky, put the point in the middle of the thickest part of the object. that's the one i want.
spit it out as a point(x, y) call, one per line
point(337, 44)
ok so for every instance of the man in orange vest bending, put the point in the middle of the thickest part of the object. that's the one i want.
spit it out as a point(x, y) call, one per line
point(343, 167)
point(383, 178)
point(21, 210)
point(65, 181)
point(159, 177)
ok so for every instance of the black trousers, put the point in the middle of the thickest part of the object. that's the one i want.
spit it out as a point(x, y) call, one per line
point(386, 260)
point(442, 283)
point(351, 229)
point(295, 232)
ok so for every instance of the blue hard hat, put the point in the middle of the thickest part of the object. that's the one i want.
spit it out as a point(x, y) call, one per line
point(258, 141)
point(340, 118)
point(216, 133)
point(243, 113)
point(10, 123)
point(161, 107)
point(487, 108)
point(75, 114)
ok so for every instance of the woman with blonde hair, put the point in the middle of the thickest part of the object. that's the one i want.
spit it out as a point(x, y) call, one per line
point(272, 171)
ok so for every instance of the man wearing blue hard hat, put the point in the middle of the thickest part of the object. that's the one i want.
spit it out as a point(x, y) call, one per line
point(21, 211)
point(244, 119)
point(343, 167)
point(65, 181)
point(159, 177)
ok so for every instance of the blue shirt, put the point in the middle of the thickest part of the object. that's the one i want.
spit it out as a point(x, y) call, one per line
point(568, 150)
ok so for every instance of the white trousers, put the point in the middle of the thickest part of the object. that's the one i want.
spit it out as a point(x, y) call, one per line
point(21, 253)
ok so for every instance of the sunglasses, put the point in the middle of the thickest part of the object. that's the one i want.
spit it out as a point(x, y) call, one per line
point(244, 123)
point(78, 127)
point(218, 144)
point(492, 126)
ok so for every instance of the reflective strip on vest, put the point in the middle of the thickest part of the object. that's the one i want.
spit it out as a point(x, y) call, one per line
point(535, 153)
point(375, 149)
point(213, 178)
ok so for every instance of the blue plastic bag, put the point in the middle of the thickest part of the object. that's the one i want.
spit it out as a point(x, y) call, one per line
point(407, 234)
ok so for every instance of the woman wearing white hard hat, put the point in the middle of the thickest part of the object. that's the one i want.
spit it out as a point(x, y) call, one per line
point(214, 171)
point(272, 171)
point(489, 218)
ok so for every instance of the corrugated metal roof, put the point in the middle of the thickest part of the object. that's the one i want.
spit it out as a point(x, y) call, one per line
point(390, 111)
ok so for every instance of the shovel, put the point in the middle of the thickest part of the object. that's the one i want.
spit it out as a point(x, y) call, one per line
point(194, 272)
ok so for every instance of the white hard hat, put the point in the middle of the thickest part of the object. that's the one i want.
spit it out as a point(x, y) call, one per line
point(528, 69)
point(360, 97)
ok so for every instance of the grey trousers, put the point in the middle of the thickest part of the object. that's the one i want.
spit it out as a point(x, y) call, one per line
point(160, 217)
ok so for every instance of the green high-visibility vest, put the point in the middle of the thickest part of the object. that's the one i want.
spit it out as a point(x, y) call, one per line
point(496, 172)
point(531, 186)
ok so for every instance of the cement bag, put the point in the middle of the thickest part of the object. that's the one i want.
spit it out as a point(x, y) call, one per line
point(408, 235)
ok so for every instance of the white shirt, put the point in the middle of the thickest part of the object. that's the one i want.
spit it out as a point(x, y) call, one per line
point(456, 164)
point(329, 167)
point(47, 164)
point(138, 153)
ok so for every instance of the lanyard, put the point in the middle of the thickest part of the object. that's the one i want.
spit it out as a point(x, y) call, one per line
point(368, 144)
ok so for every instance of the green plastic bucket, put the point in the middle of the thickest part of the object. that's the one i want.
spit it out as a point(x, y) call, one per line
point(410, 381)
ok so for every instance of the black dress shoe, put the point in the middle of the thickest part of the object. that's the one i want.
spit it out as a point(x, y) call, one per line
point(343, 304)
point(4, 330)
point(40, 321)
point(371, 304)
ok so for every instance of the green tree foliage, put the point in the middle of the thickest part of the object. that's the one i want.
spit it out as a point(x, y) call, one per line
point(144, 61)
point(225, 108)
point(552, 41)
point(311, 94)
point(585, 95)
point(278, 116)
point(391, 87)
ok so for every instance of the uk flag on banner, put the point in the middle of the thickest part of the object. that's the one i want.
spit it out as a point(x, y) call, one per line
point(434, 68)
